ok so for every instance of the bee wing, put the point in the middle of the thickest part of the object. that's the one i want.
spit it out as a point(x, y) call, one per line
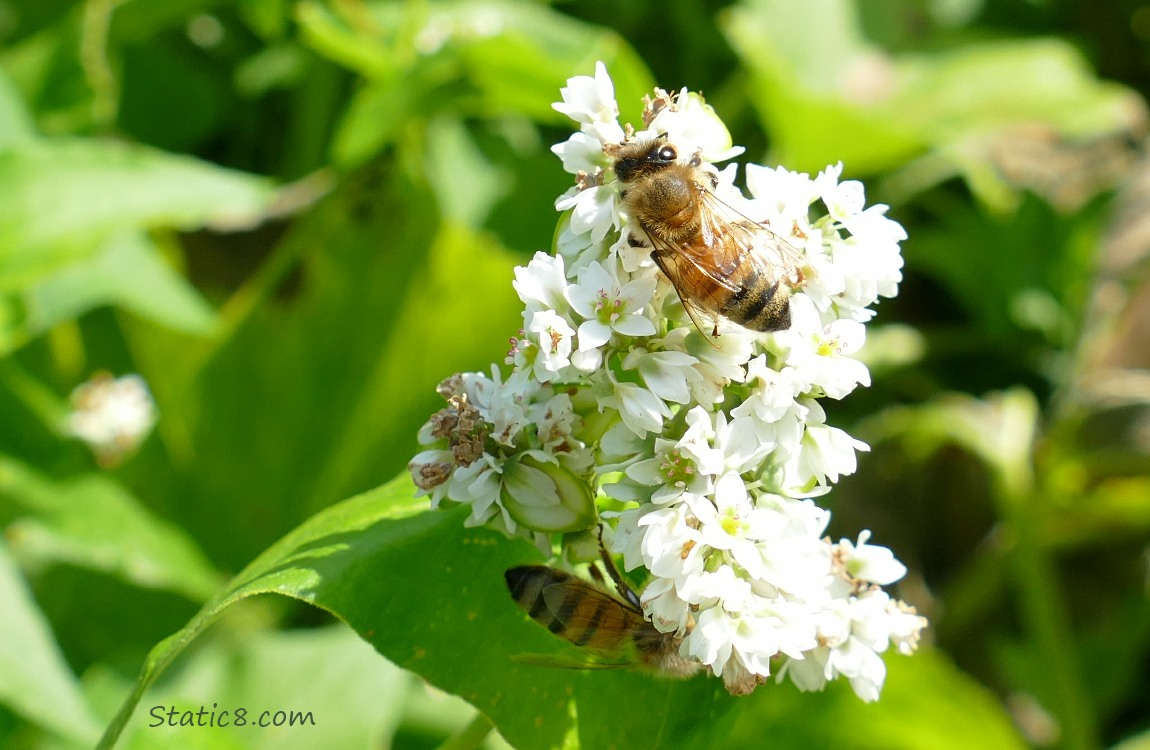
point(734, 239)
point(579, 658)
point(590, 616)
point(667, 258)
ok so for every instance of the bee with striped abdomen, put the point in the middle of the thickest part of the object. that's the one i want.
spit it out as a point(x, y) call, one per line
point(720, 262)
point(612, 631)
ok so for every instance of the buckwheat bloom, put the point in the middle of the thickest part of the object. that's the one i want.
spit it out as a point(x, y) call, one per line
point(697, 446)
point(112, 415)
point(591, 102)
point(553, 336)
point(610, 305)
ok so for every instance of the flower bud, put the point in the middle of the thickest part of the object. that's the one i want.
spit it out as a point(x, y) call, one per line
point(546, 497)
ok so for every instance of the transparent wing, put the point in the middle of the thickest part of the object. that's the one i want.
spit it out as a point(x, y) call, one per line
point(590, 616)
point(581, 658)
point(733, 239)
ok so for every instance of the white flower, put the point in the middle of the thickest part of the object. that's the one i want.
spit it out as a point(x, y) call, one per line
point(554, 336)
point(610, 305)
point(665, 373)
point(780, 192)
point(112, 415)
point(641, 410)
point(542, 283)
point(843, 200)
point(669, 543)
point(819, 355)
point(582, 152)
point(694, 122)
point(589, 100)
point(869, 562)
point(594, 210)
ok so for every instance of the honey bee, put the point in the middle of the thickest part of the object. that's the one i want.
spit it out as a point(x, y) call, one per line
point(719, 261)
point(612, 631)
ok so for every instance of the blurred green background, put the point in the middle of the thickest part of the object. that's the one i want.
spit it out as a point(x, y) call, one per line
point(294, 217)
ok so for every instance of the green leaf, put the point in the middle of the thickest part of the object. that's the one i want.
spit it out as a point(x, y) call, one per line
point(927, 704)
point(128, 271)
point(429, 594)
point(35, 680)
point(93, 522)
point(61, 198)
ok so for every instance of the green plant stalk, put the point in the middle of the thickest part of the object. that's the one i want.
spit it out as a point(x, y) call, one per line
point(1020, 499)
point(471, 736)
point(101, 79)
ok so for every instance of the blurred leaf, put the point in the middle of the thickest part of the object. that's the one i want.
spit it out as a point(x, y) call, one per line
point(518, 55)
point(277, 66)
point(62, 197)
point(267, 18)
point(35, 680)
point(46, 68)
point(329, 36)
point(129, 272)
point(477, 58)
point(375, 115)
point(466, 184)
point(816, 78)
point(354, 698)
point(93, 522)
point(927, 704)
point(801, 55)
point(15, 121)
point(450, 619)
point(1037, 286)
point(141, 20)
point(1140, 741)
point(427, 345)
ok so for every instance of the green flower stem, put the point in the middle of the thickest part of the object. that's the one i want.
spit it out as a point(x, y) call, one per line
point(471, 736)
point(1021, 499)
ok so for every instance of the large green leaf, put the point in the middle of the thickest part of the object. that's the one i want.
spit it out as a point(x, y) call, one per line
point(92, 522)
point(429, 594)
point(35, 681)
point(62, 197)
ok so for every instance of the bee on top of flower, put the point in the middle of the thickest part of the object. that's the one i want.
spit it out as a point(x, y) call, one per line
point(666, 386)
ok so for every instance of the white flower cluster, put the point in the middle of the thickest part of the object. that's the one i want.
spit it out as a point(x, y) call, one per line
point(704, 450)
point(112, 415)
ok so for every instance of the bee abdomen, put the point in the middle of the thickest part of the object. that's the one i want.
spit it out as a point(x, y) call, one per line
point(759, 305)
point(571, 608)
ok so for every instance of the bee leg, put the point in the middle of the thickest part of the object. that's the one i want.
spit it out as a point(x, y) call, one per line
point(624, 590)
point(715, 330)
point(634, 241)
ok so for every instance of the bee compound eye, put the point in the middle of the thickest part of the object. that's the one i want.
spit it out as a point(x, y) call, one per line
point(667, 153)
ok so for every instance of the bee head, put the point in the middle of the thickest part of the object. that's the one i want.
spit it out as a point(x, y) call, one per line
point(635, 160)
